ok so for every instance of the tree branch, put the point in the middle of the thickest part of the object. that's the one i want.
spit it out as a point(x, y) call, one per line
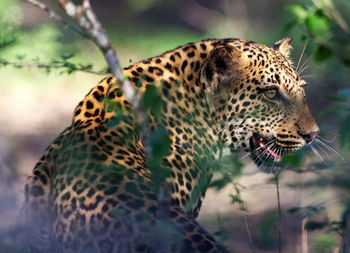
point(91, 28)
point(54, 15)
point(85, 17)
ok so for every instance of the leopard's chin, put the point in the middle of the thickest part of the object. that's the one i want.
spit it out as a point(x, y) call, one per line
point(264, 150)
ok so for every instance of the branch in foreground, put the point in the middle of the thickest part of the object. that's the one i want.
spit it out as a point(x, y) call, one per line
point(43, 65)
point(85, 17)
point(54, 15)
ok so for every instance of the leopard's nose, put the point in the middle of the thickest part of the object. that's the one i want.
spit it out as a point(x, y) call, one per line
point(309, 136)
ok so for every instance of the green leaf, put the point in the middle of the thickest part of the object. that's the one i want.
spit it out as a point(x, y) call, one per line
point(229, 169)
point(236, 163)
point(160, 144)
point(3, 62)
point(318, 23)
point(322, 53)
point(86, 66)
point(67, 56)
point(219, 183)
point(237, 198)
point(152, 101)
point(20, 57)
point(294, 159)
point(299, 12)
point(70, 65)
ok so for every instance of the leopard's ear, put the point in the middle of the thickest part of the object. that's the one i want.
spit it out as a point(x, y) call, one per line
point(222, 67)
point(283, 46)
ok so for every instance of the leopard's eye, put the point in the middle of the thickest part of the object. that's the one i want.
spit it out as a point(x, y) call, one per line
point(270, 93)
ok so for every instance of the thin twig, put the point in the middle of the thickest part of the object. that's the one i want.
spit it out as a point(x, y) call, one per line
point(251, 245)
point(304, 240)
point(279, 215)
point(44, 65)
point(54, 15)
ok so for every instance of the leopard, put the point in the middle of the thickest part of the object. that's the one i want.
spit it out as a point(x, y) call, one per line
point(95, 189)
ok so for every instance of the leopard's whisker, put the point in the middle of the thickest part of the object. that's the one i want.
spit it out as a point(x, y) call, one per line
point(326, 140)
point(329, 148)
point(305, 62)
point(303, 69)
point(317, 154)
point(266, 162)
point(266, 150)
point(323, 149)
point(246, 155)
point(310, 76)
point(301, 56)
point(268, 155)
point(259, 157)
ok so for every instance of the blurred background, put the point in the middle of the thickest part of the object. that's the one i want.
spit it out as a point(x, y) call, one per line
point(241, 208)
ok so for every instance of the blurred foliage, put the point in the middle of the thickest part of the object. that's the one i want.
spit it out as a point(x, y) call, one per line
point(9, 23)
point(230, 168)
point(265, 235)
point(326, 23)
point(341, 107)
point(157, 139)
point(324, 243)
point(236, 197)
point(63, 65)
point(307, 211)
point(221, 234)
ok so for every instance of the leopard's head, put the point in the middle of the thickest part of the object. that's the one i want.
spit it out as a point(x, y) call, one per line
point(258, 99)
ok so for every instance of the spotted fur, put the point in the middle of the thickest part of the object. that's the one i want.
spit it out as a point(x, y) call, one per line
point(92, 188)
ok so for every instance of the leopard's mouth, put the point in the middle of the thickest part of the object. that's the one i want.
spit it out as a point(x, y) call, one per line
point(264, 149)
